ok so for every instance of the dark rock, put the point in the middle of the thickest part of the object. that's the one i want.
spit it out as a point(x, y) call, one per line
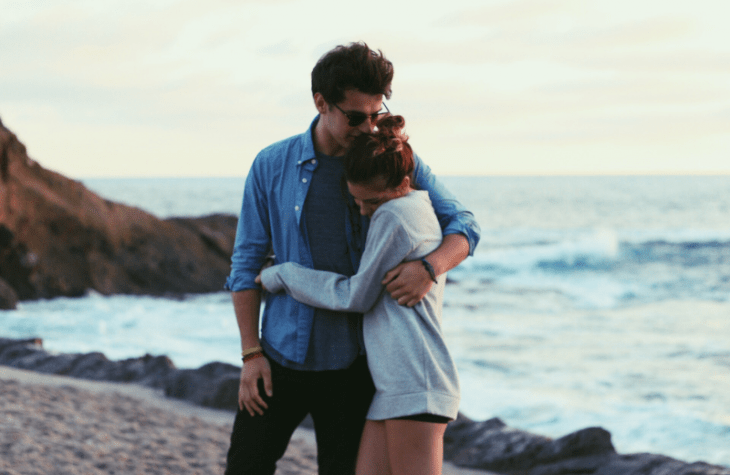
point(501, 450)
point(16, 263)
point(702, 468)
point(212, 385)
point(652, 464)
point(94, 366)
point(214, 230)
point(461, 433)
point(57, 238)
point(579, 465)
point(644, 464)
point(14, 352)
point(226, 395)
point(29, 354)
point(491, 445)
point(592, 441)
point(8, 297)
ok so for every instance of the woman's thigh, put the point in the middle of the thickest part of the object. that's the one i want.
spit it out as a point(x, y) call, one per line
point(414, 446)
point(372, 458)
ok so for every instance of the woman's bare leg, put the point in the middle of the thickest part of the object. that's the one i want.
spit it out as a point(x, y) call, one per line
point(415, 447)
point(372, 458)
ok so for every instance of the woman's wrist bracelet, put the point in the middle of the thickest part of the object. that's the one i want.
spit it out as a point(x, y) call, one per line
point(429, 269)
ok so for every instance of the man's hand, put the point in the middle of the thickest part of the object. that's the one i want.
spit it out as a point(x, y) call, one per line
point(408, 282)
point(248, 389)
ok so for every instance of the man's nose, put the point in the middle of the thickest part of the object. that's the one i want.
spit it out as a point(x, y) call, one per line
point(367, 127)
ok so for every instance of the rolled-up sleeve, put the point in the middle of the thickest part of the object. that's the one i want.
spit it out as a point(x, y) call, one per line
point(453, 217)
point(253, 239)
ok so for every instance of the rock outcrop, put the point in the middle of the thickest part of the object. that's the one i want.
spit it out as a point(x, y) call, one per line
point(488, 445)
point(8, 296)
point(58, 238)
point(212, 385)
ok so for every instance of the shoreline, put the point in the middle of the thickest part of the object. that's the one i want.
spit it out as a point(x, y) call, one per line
point(56, 421)
point(210, 392)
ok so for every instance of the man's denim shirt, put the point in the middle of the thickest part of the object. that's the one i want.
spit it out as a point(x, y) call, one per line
point(271, 220)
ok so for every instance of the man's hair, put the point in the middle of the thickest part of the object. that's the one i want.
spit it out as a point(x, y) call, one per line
point(354, 66)
point(384, 153)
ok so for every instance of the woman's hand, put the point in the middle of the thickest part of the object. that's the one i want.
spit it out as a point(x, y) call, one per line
point(258, 281)
point(269, 262)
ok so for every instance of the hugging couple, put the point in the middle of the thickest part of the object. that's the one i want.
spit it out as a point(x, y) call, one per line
point(362, 235)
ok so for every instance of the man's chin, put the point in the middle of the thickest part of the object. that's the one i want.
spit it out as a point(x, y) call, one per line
point(347, 143)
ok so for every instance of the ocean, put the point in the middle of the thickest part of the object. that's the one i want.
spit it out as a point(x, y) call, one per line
point(590, 301)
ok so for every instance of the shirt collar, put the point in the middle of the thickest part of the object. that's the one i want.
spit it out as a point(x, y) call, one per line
point(308, 148)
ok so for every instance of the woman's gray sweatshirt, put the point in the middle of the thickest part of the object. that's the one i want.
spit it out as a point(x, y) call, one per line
point(408, 359)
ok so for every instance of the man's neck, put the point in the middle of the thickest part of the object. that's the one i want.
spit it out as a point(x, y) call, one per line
point(324, 144)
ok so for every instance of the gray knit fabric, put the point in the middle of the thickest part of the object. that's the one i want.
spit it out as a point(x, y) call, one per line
point(410, 364)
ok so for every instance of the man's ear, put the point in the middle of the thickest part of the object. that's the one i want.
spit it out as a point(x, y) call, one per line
point(320, 103)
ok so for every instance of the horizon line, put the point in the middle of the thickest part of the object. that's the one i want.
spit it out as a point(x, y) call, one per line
point(455, 175)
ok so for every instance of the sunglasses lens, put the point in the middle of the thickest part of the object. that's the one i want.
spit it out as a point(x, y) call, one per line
point(356, 119)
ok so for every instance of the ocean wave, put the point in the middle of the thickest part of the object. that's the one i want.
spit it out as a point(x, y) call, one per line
point(602, 250)
point(604, 268)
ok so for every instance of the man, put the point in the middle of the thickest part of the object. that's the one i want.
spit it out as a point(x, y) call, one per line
point(307, 360)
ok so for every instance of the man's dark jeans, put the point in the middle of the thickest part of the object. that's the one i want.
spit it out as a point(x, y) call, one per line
point(338, 402)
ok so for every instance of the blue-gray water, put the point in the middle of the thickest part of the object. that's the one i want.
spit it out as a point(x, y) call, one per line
point(590, 301)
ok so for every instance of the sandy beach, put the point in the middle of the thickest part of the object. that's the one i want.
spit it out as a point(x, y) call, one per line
point(59, 425)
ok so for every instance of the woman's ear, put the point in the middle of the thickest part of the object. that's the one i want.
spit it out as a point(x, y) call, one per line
point(405, 184)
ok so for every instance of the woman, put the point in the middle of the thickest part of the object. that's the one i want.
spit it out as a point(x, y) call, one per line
point(417, 388)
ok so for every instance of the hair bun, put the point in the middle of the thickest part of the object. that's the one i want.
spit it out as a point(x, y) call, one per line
point(384, 153)
point(390, 136)
point(391, 125)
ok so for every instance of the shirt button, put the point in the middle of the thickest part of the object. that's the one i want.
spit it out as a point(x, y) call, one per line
point(304, 180)
point(314, 161)
point(296, 208)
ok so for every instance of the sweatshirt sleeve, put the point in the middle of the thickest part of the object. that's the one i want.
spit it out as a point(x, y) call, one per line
point(387, 244)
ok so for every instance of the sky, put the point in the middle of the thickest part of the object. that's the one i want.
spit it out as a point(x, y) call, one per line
point(98, 88)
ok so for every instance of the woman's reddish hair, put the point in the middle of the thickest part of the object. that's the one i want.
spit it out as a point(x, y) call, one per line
point(384, 153)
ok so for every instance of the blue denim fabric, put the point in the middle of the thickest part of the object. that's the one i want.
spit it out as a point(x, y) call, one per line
point(271, 220)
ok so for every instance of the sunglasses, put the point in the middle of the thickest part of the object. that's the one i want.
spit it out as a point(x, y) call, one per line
point(356, 118)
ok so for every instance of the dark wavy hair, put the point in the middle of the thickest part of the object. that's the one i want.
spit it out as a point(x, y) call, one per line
point(384, 153)
point(354, 66)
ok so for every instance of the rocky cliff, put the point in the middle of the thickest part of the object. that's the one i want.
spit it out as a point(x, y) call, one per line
point(58, 238)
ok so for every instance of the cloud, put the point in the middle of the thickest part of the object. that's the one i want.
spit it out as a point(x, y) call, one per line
point(501, 14)
point(285, 49)
point(513, 75)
